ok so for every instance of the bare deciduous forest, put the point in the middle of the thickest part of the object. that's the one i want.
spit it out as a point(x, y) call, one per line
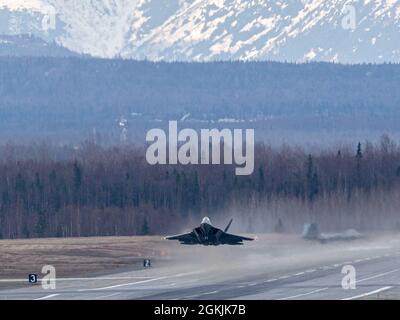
point(48, 191)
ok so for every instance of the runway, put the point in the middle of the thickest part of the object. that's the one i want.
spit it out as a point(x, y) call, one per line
point(377, 276)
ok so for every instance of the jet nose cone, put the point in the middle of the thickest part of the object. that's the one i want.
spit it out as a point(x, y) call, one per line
point(206, 220)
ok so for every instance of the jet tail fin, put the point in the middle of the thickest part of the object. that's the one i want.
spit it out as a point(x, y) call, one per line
point(229, 224)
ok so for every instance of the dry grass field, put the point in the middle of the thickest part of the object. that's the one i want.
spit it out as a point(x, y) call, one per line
point(100, 255)
point(77, 256)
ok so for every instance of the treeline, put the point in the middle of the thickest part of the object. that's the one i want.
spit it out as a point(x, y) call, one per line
point(27, 45)
point(44, 96)
point(60, 192)
point(44, 86)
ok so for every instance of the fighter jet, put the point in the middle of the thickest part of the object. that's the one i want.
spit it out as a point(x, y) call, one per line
point(311, 232)
point(208, 235)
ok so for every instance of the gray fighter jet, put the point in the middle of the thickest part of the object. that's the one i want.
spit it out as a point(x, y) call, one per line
point(208, 235)
point(311, 232)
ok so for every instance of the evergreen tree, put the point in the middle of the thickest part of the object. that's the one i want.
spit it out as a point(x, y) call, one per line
point(261, 180)
point(359, 157)
point(41, 224)
point(145, 228)
point(77, 181)
point(312, 179)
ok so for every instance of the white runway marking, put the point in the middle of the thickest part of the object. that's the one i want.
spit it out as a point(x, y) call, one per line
point(78, 279)
point(304, 294)
point(138, 282)
point(355, 297)
point(198, 295)
point(378, 275)
point(206, 293)
point(101, 278)
point(108, 295)
point(368, 293)
point(190, 297)
point(326, 268)
point(48, 297)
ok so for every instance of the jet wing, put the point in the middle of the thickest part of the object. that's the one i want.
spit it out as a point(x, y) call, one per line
point(228, 238)
point(185, 238)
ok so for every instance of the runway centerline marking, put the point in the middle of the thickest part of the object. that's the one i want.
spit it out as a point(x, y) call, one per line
point(368, 293)
point(304, 294)
point(48, 296)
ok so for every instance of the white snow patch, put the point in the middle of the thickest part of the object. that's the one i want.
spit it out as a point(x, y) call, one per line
point(310, 55)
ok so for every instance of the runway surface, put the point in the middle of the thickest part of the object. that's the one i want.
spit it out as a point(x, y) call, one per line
point(314, 275)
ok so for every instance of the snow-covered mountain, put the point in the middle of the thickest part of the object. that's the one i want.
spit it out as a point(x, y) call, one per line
point(25, 45)
point(346, 31)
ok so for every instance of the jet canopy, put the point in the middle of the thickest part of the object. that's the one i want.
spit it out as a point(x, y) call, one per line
point(206, 220)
